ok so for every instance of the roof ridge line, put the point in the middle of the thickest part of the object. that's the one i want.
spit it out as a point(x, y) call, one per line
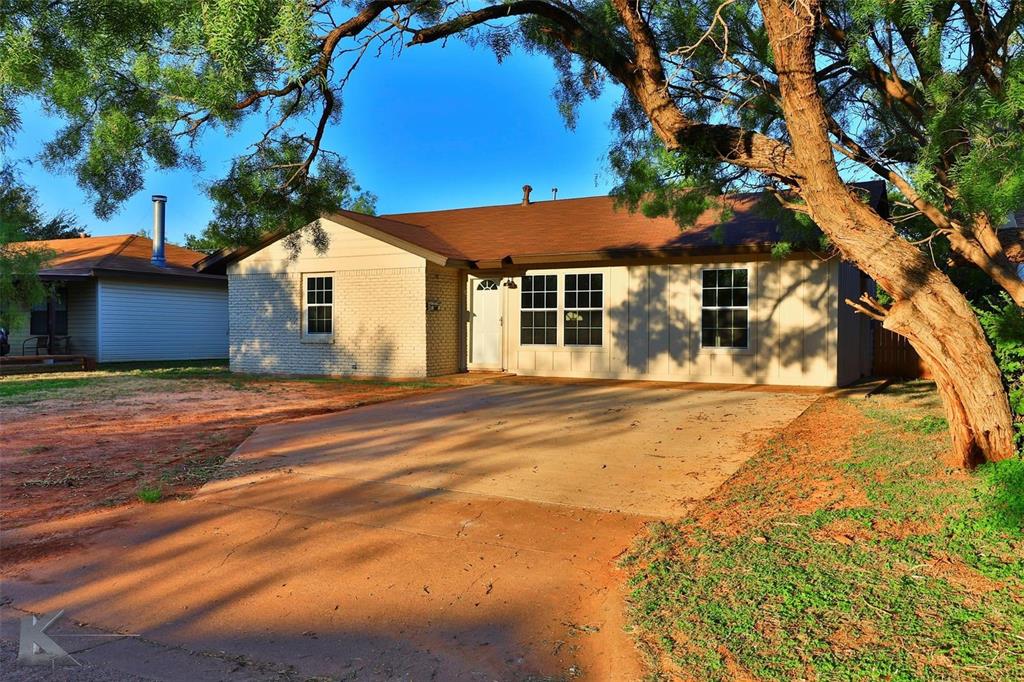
point(510, 205)
point(381, 217)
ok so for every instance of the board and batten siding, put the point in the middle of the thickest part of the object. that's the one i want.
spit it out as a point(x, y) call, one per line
point(154, 320)
point(379, 311)
point(652, 327)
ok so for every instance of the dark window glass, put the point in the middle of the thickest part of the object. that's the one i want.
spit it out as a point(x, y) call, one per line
point(37, 323)
point(38, 316)
point(538, 318)
point(724, 320)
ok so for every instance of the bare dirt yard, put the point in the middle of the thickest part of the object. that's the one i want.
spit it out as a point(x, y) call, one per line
point(75, 442)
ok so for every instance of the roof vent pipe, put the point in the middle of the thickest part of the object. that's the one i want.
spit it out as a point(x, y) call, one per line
point(526, 195)
point(159, 204)
point(554, 193)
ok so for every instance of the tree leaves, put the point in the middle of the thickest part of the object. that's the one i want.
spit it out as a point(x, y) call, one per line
point(254, 199)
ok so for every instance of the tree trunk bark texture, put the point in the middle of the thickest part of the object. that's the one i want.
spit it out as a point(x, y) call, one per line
point(929, 310)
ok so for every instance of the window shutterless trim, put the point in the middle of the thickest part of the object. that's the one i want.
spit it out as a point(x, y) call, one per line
point(323, 293)
point(579, 294)
point(725, 292)
point(548, 306)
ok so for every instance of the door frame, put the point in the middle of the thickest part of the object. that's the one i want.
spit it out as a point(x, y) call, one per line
point(471, 280)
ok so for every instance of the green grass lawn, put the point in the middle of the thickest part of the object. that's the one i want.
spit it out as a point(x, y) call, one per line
point(874, 561)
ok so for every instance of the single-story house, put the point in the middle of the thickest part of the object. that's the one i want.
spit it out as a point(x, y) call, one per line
point(126, 298)
point(563, 288)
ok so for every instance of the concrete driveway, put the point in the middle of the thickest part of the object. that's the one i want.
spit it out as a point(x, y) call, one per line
point(468, 534)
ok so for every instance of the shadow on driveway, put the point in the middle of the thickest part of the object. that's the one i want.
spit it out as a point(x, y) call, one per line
point(469, 534)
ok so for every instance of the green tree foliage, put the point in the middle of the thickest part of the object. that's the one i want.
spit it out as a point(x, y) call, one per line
point(926, 94)
point(139, 83)
point(20, 286)
point(21, 221)
point(19, 207)
point(256, 196)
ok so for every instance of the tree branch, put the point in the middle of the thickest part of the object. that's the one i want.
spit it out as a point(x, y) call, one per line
point(642, 73)
point(870, 307)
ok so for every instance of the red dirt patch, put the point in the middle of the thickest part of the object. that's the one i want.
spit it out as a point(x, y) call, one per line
point(66, 456)
point(798, 486)
point(956, 572)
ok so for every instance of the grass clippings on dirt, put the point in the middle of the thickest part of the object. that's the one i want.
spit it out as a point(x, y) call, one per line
point(116, 379)
point(145, 432)
point(845, 550)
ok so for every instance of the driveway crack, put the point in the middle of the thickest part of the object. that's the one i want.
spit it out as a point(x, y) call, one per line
point(280, 517)
point(467, 523)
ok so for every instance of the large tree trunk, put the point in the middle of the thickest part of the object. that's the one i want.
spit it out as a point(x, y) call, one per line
point(929, 310)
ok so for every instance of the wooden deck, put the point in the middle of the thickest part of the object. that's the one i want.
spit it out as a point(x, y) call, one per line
point(32, 364)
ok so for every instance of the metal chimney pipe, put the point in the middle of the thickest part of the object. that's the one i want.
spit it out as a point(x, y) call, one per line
point(159, 204)
point(526, 195)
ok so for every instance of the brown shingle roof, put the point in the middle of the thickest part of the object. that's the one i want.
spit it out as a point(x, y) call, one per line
point(589, 225)
point(125, 253)
point(593, 225)
point(566, 229)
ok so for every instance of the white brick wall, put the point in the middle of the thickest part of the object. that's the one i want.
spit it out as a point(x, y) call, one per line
point(444, 349)
point(379, 324)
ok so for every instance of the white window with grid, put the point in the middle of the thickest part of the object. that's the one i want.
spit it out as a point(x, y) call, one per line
point(583, 313)
point(725, 321)
point(318, 316)
point(538, 310)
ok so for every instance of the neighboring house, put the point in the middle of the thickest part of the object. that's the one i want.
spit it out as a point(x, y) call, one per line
point(567, 288)
point(114, 303)
point(1011, 235)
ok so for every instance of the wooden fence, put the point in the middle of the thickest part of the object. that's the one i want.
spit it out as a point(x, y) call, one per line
point(895, 357)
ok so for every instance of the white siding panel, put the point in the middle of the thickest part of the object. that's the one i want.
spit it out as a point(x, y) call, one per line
point(146, 320)
point(346, 250)
point(653, 317)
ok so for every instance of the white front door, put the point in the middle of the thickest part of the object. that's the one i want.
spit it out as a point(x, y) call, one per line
point(485, 323)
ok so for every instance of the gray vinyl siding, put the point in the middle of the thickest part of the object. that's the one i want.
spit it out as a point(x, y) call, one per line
point(82, 317)
point(147, 320)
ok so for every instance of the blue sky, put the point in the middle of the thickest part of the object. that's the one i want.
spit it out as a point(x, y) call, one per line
point(437, 127)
